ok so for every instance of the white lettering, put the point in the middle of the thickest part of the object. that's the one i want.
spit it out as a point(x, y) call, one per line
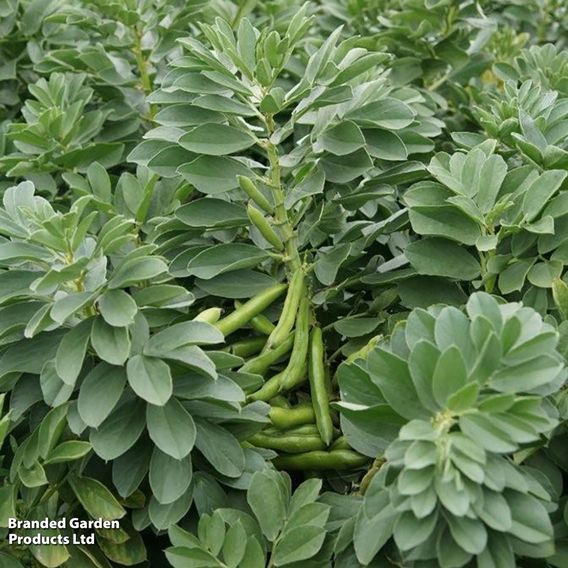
point(84, 538)
point(75, 523)
point(37, 524)
point(40, 539)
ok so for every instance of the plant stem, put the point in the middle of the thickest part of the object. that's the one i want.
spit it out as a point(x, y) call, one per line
point(50, 491)
point(488, 279)
point(142, 64)
point(271, 560)
point(238, 15)
point(437, 84)
point(280, 213)
point(142, 212)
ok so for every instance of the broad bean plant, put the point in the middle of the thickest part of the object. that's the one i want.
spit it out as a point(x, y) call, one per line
point(283, 283)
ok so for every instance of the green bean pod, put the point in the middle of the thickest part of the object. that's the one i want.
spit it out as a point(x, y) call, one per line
point(269, 390)
point(284, 418)
point(262, 324)
point(211, 315)
point(256, 305)
point(265, 228)
point(337, 460)
point(279, 401)
point(260, 364)
point(318, 386)
point(259, 323)
point(301, 430)
point(289, 310)
point(293, 375)
point(247, 347)
point(292, 444)
point(340, 444)
point(271, 387)
point(248, 186)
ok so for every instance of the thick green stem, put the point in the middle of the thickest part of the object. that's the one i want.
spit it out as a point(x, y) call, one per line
point(280, 213)
point(488, 279)
point(239, 15)
point(144, 207)
point(142, 64)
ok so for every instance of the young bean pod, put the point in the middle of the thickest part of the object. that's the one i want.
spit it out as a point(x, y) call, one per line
point(247, 185)
point(272, 386)
point(265, 228)
point(340, 444)
point(293, 375)
point(211, 315)
point(292, 444)
point(269, 390)
point(284, 418)
point(247, 347)
point(301, 430)
point(289, 310)
point(279, 401)
point(256, 305)
point(260, 364)
point(259, 323)
point(318, 386)
point(320, 461)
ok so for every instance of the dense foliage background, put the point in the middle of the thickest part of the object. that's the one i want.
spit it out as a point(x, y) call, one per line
point(282, 284)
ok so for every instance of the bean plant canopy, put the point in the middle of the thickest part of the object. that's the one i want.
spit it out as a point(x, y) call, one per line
point(282, 283)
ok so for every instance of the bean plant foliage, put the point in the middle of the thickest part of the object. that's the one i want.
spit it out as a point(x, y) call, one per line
point(283, 283)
